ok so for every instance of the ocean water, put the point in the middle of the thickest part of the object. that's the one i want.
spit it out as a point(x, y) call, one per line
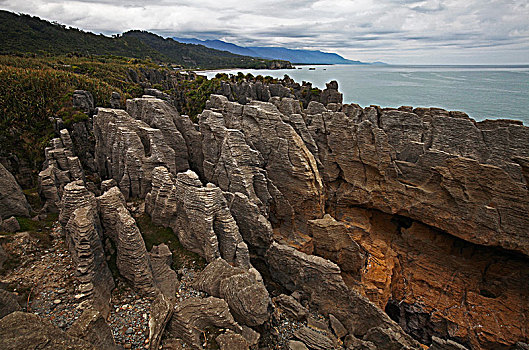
point(483, 92)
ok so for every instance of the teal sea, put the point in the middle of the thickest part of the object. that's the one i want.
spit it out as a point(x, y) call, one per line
point(483, 92)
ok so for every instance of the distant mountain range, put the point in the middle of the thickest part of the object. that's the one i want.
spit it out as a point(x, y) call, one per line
point(279, 53)
point(22, 34)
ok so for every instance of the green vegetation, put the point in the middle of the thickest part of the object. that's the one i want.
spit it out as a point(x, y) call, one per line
point(26, 34)
point(40, 228)
point(154, 235)
point(33, 90)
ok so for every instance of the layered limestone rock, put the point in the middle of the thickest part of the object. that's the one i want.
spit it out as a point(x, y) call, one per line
point(160, 115)
point(21, 330)
point(320, 281)
point(12, 199)
point(60, 168)
point(297, 191)
point(83, 237)
point(127, 150)
point(132, 258)
point(75, 196)
point(246, 296)
point(334, 241)
point(199, 215)
point(437, 167)
point(92, 327)
point(434, 284)
point(192, 316)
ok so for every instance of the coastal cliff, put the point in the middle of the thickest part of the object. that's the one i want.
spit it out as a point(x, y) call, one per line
point(322, 224)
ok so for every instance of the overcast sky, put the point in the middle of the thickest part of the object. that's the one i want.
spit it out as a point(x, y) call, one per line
point(393, 31)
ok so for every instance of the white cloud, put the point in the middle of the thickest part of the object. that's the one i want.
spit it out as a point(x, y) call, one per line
point(397, 31)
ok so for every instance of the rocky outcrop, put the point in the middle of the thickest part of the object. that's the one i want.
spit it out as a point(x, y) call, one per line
point(9, 225)
point(83, 237)
point(12, 199)
point(20, 330)
point(198, 214)
point(320, 281)
point(132, 258)
point(127, 150)
point(192, 316)
point(314, 340)
point(166, 280)
point(160, 115)
point(231, 341)
point(60, 168)
point(291, 307)
point(84, 101)
point(333, 241)
point(297, 191)
point(434, 166)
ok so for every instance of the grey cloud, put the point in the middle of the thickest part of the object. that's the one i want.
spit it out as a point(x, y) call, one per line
point(402, 30)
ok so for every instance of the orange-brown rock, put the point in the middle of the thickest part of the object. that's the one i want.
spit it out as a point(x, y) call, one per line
point(436, 284)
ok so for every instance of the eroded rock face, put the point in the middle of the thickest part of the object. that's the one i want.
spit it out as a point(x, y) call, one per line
point(439, 168)
point(60, 168)
point(332, 240)
point(92, 327)
point(127, 150)
point(132, 258)
point(297, 190)
point(12, 199)
point(246, 296)
point(83, 237)
point(198, 214)
point(435, 284)
point(84, 101)
point(8, 303)
point(160, 115)
point(321, 282)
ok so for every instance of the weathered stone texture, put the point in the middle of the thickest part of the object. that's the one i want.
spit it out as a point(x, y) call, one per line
point(12, 199)
point(199, 215)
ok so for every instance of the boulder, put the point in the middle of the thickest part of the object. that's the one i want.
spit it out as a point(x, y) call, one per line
point(84, 101)
point(296, 345)
point(12, 199)
point(8, 303)
point(92, 327)
point(445, 344)
point(333, 240)
point(246, 296)
point(337, 327)
point(248, 299)
point(192, 316)
point(115, 100)
point(10, 225)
